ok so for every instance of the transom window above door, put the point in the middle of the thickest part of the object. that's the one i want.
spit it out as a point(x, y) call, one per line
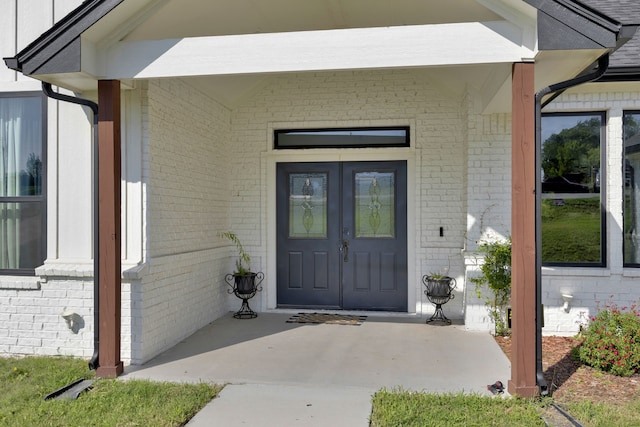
point(342, 138)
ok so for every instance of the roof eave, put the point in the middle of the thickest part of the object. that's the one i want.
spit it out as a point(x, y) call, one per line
point(567, 24)
point(58, 50)
point(56, 41)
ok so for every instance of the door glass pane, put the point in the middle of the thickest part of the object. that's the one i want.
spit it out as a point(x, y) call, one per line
point(374, 204)
point(308, 205)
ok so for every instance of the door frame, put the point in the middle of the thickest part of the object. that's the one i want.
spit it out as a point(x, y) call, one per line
point(268, 165)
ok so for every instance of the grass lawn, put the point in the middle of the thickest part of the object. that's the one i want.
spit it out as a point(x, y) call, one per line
point(571, 231)
point(25, 381)
point(605, 414)
point(403, 408)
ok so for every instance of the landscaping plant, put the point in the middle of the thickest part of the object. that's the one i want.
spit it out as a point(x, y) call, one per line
point(495, 272)
point(243, 262)
point(612, 341)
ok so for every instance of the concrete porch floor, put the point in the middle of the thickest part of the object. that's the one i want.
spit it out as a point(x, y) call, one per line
point(280, 373)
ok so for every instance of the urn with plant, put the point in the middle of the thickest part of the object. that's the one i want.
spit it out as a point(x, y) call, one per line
point(243, 277)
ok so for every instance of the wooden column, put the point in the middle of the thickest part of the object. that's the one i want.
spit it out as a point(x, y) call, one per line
point(523, 233)
point(110, 365)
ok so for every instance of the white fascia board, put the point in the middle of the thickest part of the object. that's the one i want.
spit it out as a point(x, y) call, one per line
point(521, 14)
point(362, 48)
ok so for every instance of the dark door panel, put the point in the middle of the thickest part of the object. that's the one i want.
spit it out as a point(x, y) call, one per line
point(307, 240)
point(342, 235)
point(374, 215)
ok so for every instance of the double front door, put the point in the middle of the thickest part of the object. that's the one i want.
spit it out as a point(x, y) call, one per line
point(342, 235)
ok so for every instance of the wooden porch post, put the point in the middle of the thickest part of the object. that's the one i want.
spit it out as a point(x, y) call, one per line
point(110, 365)
point(523, 233)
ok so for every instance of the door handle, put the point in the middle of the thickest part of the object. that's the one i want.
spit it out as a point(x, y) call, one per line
point(344, 249)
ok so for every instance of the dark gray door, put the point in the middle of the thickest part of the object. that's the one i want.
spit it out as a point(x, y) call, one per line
point(342, 235)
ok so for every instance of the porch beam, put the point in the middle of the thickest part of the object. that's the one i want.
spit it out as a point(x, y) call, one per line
point(359, 48)
point(523, 233)
point(109, 175)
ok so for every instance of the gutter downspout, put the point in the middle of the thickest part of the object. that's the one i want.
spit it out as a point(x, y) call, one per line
point(46, 88)
point(603, 64)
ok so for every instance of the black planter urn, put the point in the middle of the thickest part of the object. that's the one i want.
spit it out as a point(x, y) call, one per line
point(244, 286)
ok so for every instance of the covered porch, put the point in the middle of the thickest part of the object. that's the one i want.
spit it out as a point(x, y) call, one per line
point(205, 86)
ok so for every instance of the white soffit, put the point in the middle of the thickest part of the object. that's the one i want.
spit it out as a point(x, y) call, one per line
point(361, 48)
point(551, 67)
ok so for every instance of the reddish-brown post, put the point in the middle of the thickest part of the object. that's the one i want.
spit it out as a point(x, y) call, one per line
point(110, 365)
point(523, 233)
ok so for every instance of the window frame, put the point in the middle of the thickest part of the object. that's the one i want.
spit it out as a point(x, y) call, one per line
point(278, 132)
point(40, 199)
point(602, 191)
point(624, 171)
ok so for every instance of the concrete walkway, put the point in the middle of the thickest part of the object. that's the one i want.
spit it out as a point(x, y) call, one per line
point(287, 374)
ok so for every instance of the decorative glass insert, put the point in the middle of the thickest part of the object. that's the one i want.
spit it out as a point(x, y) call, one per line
point(374, 204)
point(572, 220)
point(342, 138)
point(308, 205)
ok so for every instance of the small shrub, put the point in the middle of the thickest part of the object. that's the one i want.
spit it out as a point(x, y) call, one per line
point(495, 273)
point(612, 341)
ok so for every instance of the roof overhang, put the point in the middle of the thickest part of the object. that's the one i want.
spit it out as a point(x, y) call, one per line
point(102, 39)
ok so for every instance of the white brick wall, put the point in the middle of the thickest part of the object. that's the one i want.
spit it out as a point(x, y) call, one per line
point(488, 202)
point(187, 170)
point(364, 98)
point(187, 197)
point(33, 323)
point(31, 308)
point(179, 295)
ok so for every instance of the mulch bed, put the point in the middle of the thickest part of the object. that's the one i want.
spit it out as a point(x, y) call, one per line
point(570, 381)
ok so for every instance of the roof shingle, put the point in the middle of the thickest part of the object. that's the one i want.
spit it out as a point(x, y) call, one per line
point(627, 12)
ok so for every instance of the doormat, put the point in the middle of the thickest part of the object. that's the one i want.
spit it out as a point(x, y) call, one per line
point(332, 319)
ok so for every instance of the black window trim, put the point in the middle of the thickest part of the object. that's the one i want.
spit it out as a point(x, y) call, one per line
point(42, 198)
point(278, 132)
point(603, 192)
point(624, 157)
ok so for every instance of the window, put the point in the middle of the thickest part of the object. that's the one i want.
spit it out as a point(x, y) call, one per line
point(572, 185)
point(342, 138)
point(22, 182)
point(631, 135)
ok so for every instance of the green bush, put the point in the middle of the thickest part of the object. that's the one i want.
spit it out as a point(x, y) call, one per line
point(612, 341)
point(495, 273)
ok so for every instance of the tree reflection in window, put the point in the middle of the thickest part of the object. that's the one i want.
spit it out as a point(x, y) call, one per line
point(572, 224)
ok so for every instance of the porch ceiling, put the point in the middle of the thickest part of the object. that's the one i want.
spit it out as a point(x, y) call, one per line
point(196, 18)
point(240, 44)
